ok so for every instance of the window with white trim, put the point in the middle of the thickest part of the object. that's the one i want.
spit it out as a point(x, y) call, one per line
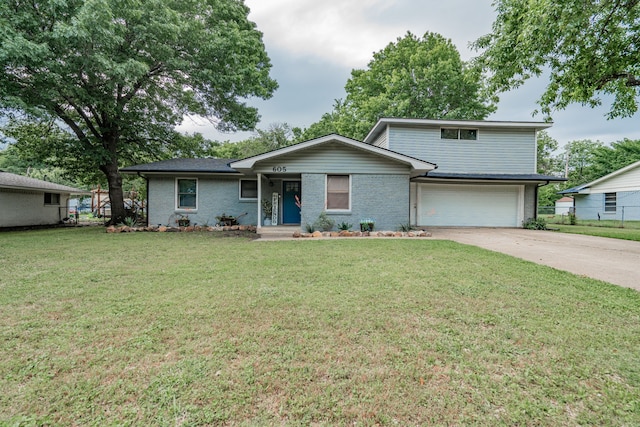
point(338, 192)
point(248, 189)
point(459, 133)
point(51, 198)
point(186, 193)
point(610, 202)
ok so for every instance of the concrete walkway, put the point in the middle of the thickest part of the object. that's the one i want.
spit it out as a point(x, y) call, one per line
point(611, 260)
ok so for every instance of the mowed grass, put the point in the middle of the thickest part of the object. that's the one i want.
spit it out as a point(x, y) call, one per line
point(600, 231)
point(193, 329)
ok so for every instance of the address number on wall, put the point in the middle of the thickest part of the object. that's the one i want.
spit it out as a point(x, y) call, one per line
point(279, 168)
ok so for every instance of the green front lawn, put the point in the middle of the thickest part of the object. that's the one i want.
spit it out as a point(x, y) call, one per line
point(189, 328)
point(601, 231)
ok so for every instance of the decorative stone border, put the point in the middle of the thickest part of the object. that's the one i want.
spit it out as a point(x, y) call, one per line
point(165, 229)
point(345, 233)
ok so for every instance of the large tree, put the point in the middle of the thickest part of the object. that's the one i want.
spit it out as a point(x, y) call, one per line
point(118, 75)
point(415, 77)
point(591, 48)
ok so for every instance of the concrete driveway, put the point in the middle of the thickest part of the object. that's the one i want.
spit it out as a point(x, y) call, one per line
point(611, 260)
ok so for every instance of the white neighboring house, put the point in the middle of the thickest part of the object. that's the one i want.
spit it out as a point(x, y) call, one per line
point(564, 205)
point(27, 201)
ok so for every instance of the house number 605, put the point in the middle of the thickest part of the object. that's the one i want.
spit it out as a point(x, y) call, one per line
point(279, 168)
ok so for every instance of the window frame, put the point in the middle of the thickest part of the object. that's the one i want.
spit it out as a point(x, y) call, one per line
point(458, 133)
point(610, 206)
point(179, 208)
point(250, 199)
point(51, 202)
point(326, 193)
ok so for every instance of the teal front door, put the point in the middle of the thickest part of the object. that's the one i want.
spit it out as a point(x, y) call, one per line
point(290, 211)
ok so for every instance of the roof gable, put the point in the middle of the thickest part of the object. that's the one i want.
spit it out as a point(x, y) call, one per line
point(623, 179)
point(417, 166)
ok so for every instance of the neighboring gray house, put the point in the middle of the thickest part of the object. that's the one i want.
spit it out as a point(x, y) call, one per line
point(422, 172)
point(614, 196)
point(27, 201)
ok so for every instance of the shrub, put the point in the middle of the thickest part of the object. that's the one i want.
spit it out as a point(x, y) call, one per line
point(324, 223)
point(535, 224)
point(345, 226)
point(406, 227)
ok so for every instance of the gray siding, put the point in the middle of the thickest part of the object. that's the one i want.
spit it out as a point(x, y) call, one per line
point(588, 206)
point(530, 201)
point(495, 150)
point(216, 196)
point(384, 198)
point(332, 158)
point(382, 141)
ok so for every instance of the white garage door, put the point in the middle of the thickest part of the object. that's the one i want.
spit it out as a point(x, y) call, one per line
point(469, 205)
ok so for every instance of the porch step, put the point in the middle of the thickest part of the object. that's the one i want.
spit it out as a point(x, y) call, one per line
point(278, 230)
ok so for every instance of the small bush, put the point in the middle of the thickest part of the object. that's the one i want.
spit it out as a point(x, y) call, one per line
point(535, 224)
point(310, 228)
point(572, 218)
point(324, 223)
point(404, 227)
point(345, 226)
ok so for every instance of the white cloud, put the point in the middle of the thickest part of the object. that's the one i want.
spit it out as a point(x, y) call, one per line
point(337, 31)
point(347, 32)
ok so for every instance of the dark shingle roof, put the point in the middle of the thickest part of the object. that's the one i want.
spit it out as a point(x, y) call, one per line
point(11, 180)
point(493, 176)
point(184, 165)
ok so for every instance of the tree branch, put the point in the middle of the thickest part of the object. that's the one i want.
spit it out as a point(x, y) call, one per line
point(73, 125)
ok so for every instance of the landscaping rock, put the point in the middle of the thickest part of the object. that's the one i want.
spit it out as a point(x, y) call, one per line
point(316, 234)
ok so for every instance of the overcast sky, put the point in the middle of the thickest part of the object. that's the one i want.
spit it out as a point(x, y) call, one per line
point(314, 46)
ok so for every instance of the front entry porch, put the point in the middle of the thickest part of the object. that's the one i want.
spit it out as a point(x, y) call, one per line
point(280, 201)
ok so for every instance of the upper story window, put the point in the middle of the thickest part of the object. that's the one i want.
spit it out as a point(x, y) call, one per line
point(51, 198)
point(458, 133)
point(186, 193)
point(610, 202)
point(248, 189)
point(338, 192)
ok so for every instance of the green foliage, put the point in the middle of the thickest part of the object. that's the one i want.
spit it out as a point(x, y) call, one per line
point(278, 135)
point(345, 226)
point(548, 194)
point(607, 159)
point(406, 227)
point(129, 222)
point(581, 154)
point(572, 218)
point(411, 78)
point(535, 224)
point(547, 163)
point(591, 49)
point(267, 208)
point(112, 78)
point(324, 223)
point(309, 228)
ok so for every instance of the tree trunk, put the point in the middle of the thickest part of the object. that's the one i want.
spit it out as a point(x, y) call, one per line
point(116, 196)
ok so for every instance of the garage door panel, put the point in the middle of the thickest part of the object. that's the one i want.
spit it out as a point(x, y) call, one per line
point(469, 205)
